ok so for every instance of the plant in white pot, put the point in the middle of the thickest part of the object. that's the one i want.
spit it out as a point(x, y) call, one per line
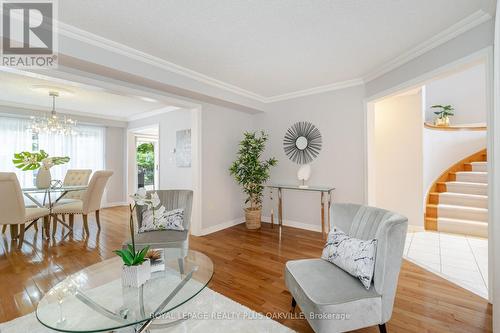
point(251, 173)
point(136, 267)
point(40, 161)
point(443, 114)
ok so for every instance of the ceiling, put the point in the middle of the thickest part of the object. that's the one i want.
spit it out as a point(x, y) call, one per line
point(17, 90)
point(271, 47)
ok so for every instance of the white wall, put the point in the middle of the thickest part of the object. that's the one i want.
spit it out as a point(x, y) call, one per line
point(494, 189)
point(397, 158)
point(462, 46)
point(339, 117)
point(221, 130)
point(223, 200)
point(115, 155)
point(442, 149)
point(465, 90)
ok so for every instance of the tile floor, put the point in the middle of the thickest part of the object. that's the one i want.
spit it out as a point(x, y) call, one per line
point(460, 259)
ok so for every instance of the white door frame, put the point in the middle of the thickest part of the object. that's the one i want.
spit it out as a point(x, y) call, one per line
point(494, 180)
point(485, 56)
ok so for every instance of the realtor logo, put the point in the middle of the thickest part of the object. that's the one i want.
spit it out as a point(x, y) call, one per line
point(29, 34)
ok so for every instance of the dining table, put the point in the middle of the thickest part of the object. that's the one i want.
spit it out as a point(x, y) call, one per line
point(51, 197)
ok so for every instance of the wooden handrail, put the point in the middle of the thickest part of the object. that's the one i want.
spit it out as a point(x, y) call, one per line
point(473, 127)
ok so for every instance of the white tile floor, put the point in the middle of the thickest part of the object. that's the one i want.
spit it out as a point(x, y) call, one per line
point(462, 260)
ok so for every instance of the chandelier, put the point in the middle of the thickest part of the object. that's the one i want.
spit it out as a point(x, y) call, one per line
point(53, 123)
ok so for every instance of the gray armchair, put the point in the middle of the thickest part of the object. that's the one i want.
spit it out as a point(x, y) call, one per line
point(171, 239)
point(333, 300)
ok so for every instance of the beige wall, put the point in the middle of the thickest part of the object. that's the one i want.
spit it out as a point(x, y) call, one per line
point(396, 163)
point(223, 200)
point(339, 116)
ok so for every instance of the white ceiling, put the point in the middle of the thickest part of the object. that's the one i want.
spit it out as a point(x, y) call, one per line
point(271, 47)
point(16, 90)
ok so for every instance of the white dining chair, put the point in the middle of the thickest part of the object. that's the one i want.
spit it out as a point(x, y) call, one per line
point(12, 208)
point(76, 177)
point(90, 203)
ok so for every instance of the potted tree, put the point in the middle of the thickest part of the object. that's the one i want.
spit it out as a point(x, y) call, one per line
point(443, 115)
point(251, 173)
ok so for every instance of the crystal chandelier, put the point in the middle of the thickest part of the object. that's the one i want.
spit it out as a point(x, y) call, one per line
point(53, 124)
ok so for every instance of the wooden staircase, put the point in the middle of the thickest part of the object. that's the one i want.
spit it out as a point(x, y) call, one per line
point(457, 202)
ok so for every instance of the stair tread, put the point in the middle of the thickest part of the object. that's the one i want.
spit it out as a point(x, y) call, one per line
point(478, 209)
point(450, 219)
point(457, 194)
point(465, 183)
point(471, 172)
point(479, 163)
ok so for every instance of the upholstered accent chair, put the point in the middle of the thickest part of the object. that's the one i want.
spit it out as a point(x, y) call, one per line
point(12, 208)
point(90, 203)
point(171, 239)
point(335, 301)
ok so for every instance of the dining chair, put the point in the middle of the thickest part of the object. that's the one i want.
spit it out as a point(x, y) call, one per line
point(75, 177)
point(90, 203)
point(14, 212)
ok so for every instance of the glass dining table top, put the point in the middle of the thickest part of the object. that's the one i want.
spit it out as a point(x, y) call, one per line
point(67, 188)
point(94, 300)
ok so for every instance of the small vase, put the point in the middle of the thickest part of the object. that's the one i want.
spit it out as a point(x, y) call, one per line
point(43, 178)
point(136, 276)
point(444, 121)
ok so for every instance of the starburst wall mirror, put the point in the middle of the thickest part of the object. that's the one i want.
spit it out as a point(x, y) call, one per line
point(302, 143)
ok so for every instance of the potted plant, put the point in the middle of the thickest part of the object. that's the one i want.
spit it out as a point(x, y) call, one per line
point(136, 267)
point(443, 115)
point(39, 160)
point(251, 173)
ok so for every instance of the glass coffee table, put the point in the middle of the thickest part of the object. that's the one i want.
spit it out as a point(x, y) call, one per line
point(93, 300)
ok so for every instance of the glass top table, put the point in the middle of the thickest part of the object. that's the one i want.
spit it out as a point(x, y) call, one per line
point(61, 191)
point(64, 188)
point(93, 300)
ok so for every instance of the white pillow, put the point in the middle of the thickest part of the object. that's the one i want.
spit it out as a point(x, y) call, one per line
point(355, 256)
point(163, 219)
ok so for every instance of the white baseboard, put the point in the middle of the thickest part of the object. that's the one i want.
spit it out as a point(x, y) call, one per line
point(114, 204)
point(415, 228)
point(221, 226)
point(265, 219)
point(294, 224)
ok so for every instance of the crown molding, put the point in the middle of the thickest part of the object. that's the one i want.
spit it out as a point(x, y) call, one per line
point(121, 49)
point(453, 31)
point(444, 36)
point(316, 90)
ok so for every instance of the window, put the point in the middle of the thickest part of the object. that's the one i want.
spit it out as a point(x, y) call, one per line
point(86, 148)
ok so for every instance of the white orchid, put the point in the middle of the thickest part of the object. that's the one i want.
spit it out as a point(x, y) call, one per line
point(140, 197)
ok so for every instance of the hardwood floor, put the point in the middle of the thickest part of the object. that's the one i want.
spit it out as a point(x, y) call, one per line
point(248, 269)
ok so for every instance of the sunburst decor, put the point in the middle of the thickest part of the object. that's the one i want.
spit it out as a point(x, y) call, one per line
point(302, 142)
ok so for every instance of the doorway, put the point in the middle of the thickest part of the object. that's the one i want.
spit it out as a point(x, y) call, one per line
point(436, 175)
point(147, 166)
point(144, 158)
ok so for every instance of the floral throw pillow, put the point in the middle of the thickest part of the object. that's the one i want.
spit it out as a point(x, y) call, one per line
point(162, 219)
point(355, 256)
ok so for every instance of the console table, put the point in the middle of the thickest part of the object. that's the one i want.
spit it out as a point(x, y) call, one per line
point(326, 191)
